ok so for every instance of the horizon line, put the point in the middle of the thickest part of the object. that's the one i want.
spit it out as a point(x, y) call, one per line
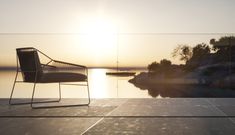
point(92, 67)
point(119, 33)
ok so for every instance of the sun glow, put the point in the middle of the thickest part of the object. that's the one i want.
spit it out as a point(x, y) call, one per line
point(100, 37)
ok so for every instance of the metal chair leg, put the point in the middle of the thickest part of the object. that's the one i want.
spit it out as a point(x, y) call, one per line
point(59, 91)
point(59, 106)
point(88, 92)
point(13, 88)
point(51, 101)
point(23, 103)
point(33, 94)
point(34, 85)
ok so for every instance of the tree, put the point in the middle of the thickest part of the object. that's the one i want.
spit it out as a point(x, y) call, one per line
point(224, 48)
point(165, 66)
point(153, 67)
point(223, 43)
point(201, 51)
point(200, 56)
point(161, 67)
point(184, 52)
point(165, 63)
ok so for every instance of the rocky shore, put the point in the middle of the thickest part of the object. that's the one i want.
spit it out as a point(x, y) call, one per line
point(214, 76)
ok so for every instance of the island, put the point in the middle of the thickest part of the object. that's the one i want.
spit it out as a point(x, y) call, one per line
point(206, 66)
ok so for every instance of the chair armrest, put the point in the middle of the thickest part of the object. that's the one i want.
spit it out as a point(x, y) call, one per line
point(62, 62)
point(28, 71)
point(46, 65)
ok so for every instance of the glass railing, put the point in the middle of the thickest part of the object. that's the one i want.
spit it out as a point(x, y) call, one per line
point(166, 64)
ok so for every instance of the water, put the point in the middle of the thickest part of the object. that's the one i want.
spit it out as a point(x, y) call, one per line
point(101, 86)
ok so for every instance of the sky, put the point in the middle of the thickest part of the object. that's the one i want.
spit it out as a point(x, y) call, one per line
point(93, 32)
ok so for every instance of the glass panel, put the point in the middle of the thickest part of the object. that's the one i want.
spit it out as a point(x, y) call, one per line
point(165, 64)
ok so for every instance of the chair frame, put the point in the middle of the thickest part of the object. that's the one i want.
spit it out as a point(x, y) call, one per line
point(32, 102)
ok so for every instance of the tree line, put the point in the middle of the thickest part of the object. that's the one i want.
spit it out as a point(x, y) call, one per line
point(217, 51)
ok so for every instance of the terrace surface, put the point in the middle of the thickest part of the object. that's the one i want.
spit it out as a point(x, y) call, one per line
point(180, 116)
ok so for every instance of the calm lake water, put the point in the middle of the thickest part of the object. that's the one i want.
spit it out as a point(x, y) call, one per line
point(101, 86)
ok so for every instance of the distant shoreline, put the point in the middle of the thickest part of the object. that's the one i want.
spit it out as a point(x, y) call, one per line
point(7, 68)
point(13, 68)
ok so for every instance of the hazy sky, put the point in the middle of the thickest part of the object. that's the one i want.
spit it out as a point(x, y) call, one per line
point(101, 20)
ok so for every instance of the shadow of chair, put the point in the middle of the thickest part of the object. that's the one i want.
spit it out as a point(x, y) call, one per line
point(54, 71)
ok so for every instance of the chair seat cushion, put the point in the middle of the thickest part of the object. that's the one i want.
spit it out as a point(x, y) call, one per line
point(51, 77)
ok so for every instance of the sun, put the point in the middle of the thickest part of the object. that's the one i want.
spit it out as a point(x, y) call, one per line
point(100, 35)
point(98, 26)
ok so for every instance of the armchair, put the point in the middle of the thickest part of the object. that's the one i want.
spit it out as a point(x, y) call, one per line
point(54, 71)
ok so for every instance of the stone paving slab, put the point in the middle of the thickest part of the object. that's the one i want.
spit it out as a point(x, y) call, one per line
point(130, 107)
point(225, 105)
point(68, 111)
point(94, 102)
point(169, 102)
point(164, 126)
point(221, 101)
point(123, 116)
point(96, 108)
point(3, 101)
point(233, 120)
point(228, 110)
point(108, 102)
point(175, 107)
point(45, 126)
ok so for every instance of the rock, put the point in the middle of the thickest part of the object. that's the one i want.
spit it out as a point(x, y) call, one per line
point(140, 78)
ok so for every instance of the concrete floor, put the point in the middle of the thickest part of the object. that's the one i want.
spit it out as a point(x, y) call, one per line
point(181, 116)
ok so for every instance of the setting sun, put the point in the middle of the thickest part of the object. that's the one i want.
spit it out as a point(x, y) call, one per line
point(100, 36)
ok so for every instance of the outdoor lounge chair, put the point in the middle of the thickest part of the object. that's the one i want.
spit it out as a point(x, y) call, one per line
point(34, 72)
